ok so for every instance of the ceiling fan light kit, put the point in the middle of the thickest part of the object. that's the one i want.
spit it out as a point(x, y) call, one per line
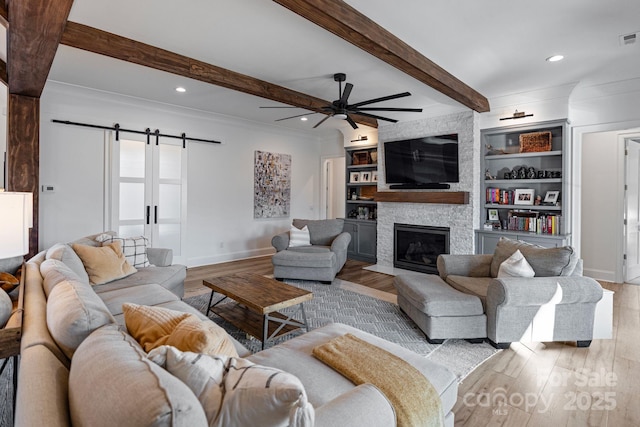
point(342, 110)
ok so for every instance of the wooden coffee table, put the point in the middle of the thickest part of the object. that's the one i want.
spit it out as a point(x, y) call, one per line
point(257, 301)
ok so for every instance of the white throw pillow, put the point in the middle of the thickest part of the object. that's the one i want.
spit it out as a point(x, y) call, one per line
point(133, 248)
point(236, 392)
point(516, 266)
point(299, 237)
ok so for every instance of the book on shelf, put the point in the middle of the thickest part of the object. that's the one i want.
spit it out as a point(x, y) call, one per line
point(499, 196)
point(534, 222)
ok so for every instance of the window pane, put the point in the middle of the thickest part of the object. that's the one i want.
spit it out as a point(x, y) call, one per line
point(132, 158)
point(170, 161)
point(169, 201)
point(131, 201)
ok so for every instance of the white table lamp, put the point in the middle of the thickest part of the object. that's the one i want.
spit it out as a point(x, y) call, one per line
point(16, 217)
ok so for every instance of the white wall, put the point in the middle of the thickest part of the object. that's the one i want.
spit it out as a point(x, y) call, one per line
point(220, 223)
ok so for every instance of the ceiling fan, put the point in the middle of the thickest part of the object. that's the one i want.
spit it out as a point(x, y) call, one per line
point(341, 109)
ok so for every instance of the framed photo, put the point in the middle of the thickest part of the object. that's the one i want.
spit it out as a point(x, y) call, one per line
point(374, 176)
point(551, 197)
point(493, 215)
point(523, 196)
point(365, 176)
point(354, 177)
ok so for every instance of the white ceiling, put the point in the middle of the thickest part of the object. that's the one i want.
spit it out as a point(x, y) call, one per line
point(497, 47)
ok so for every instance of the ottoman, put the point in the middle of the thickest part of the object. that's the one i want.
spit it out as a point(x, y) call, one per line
point(439, 310)
point(320, 265)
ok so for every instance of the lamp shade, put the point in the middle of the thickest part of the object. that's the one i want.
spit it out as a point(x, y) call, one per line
point(16, 217)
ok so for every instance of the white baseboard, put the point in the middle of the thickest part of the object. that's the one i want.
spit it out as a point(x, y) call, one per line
point(606, 275)
point(234, 256)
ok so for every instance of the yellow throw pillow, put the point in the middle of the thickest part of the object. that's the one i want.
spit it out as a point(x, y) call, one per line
point(104, 264)
point(197, 336)
point(156, 326)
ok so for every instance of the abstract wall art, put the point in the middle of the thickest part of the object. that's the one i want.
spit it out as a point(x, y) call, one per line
point(272, 185)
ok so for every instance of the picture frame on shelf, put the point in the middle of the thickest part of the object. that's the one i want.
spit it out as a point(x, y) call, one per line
point(493, 215)
point(551, 197)
point(365, 176)
point(354, 177)
point(523, 196)
point(374, 176)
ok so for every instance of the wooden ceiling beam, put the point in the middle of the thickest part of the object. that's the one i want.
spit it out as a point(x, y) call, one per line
point(36, 29)
point(104, 43)
point(347, 23)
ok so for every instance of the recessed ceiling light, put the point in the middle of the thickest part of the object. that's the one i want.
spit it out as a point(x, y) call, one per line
point(304, 119)
point(180, 89)
point(555, 58)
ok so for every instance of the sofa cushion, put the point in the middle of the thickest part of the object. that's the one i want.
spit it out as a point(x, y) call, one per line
point(104, 264)
point(171, 278)
point(299, 237)
point(54, 272)
point(150, 294)
point(156, 326)
point(236, 392)
point(68, 256)
point(477, 286)
point(546, 262)
point(133, 248)
point(294, 258)
point(113, 383)
point(516, 266)
point(74, 311)
point(323, 231)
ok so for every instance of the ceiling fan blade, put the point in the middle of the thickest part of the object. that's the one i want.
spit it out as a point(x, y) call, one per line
point(293, 117)
point(351, 122)
point(410, 110)
point(321, 121)
point(345, 94)
point(376, 117)
point(384, 98)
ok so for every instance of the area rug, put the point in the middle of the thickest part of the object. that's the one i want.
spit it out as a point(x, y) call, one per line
point(331, 303)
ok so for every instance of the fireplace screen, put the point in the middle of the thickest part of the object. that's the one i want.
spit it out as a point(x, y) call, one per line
point(416, 247)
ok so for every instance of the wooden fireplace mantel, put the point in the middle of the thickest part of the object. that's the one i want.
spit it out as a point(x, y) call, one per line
point(442, 197)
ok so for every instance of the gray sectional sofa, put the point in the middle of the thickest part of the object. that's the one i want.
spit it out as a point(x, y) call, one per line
point(91, 372)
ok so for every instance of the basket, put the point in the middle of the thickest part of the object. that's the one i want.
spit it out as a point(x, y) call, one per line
point(535, 142)
point(361, 158)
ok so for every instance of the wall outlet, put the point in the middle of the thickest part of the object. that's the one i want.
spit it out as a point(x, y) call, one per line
point(48, 189)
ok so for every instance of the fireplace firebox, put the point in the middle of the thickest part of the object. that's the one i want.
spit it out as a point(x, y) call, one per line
point(416, 247)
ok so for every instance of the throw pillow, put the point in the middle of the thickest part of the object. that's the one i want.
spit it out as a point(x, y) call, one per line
point(54, 272)
point(67, 255)
point(236, 392)
point(104, 264)
point(133, 248)
point(156, 326)
point(546, 262)
point(74, 311)
point(6, 307)
point(298, 237)
point(516, 266)
point(113, 383)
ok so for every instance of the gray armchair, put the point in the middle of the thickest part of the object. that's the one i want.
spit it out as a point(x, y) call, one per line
point(557, 305)
point(321, 260)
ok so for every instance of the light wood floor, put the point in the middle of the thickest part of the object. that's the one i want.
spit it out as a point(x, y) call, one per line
point(529, 384)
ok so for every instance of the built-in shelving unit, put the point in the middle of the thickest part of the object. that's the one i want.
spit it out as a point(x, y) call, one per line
point(361, 206)
point(516, 184)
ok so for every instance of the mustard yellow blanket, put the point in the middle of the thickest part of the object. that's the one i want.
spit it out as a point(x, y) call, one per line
point(413, 397)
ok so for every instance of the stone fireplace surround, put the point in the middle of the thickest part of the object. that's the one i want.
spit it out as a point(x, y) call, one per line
point(462, 219)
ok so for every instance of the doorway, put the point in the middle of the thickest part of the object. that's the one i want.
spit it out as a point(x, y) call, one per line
point(333, 190)
point(632, 209)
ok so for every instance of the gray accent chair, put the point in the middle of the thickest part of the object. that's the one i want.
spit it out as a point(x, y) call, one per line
point(321, 260)
point(558, 304)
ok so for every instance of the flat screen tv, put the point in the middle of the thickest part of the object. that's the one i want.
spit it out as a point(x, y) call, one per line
point(428, 162)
